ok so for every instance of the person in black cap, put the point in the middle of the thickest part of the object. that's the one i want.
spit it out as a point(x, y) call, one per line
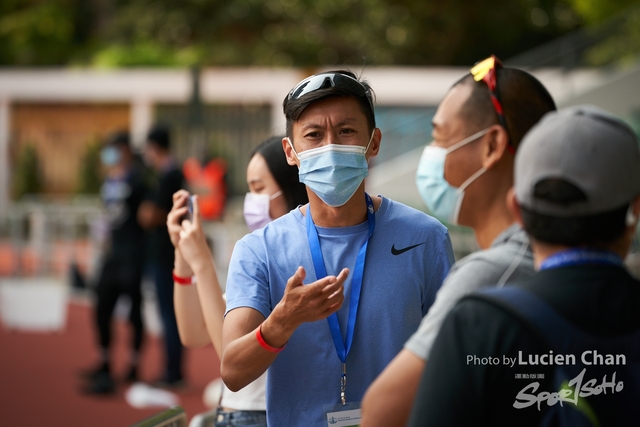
point(563, 346)
point(153, 215)
point(122, 192)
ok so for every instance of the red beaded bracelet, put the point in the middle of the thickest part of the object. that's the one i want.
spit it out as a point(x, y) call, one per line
point(264, 344)
point(183, 280)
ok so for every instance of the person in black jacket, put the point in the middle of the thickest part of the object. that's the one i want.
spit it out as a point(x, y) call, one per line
point(153, 215)
point(121, 274)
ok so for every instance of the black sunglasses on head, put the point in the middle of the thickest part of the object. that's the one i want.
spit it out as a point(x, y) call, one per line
point(326, 80)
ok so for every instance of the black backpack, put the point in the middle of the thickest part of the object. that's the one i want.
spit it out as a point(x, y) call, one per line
point(608, 392)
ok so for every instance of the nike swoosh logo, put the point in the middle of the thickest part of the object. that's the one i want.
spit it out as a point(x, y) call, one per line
point(395, 251)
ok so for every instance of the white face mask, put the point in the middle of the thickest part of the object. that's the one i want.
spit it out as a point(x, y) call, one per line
point(256, 209)
point(443, 199)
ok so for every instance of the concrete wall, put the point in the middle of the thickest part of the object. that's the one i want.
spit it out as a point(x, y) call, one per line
point(61, 132)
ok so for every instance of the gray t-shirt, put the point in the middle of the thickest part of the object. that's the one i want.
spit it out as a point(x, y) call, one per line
point(508, 259)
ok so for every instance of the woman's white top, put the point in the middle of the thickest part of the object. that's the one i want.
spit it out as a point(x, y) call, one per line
point(250, 398)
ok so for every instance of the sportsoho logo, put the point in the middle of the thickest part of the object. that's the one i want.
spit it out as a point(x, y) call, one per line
point(576, 388)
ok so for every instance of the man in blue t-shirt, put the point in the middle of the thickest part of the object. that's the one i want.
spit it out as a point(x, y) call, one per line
point(325, 296)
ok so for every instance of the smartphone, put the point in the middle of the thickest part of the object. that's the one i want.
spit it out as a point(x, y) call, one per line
point(189, 214)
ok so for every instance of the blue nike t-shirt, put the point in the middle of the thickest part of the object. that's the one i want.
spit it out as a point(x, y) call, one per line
point(408, 257)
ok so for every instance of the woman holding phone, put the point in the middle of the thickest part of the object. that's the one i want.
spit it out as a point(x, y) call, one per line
point(274, 190)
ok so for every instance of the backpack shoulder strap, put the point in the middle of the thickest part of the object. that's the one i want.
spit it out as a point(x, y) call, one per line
point(520, 304)
point(551, 326)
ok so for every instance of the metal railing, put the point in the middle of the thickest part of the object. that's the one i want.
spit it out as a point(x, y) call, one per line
point(43, 236)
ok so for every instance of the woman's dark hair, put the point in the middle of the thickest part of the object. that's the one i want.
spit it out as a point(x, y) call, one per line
point(286, 175)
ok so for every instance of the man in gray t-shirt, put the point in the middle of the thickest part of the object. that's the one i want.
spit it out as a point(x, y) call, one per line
point(464, 176)
point(508, 258)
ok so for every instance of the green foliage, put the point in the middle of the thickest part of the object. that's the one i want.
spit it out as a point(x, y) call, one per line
point(324, 32)
point(27, 175)
point(35, 33)
point(147, 53)
point(596, 11)
point(303, 33)
point(623, 47)
point(89, 177)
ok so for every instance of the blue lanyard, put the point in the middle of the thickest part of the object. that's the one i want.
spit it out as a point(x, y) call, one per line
point(574, 256)
point(342, 346)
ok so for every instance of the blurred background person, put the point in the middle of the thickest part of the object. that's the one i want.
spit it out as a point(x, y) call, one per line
point(153, 215)
point(121, 274)
point(274, 189)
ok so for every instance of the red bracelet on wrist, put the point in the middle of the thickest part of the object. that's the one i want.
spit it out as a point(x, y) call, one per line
point(183, 280)
point(264, 344)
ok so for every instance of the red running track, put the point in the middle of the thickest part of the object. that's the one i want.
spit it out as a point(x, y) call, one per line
point(39, 382)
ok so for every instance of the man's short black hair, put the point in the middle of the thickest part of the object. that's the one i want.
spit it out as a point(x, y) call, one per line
point(159, 136)
point(592, 230)
point(524, 101)
point(293, 108)
point(119, 139)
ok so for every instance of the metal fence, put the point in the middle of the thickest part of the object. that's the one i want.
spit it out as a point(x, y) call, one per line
point(227, 131)
point(43, 236)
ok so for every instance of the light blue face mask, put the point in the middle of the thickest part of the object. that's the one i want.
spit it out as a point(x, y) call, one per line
point(333, 172)
point(443, 199)
point(110, 156)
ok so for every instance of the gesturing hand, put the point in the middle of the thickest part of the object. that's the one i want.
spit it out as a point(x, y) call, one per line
point(315, 301)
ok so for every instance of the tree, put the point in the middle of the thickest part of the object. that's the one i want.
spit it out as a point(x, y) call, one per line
point(27, 177)
point(302, 33)
point(597, 11)
point(43, 32)
point(89, 177)
point(622, 46)
point(326, 32)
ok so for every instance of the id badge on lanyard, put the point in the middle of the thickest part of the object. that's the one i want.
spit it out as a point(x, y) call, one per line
point(345, 413)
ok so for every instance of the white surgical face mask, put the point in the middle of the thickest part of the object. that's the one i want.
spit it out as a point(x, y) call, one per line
point(256, 209)
point(443, 199)
point(333, 172)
